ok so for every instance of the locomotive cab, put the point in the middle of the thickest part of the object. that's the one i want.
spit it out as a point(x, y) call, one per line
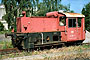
point(75, 28)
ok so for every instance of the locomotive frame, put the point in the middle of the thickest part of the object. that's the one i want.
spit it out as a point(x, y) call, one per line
point(54, 29)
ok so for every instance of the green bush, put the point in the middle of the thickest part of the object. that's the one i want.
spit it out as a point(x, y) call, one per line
point(1, 27)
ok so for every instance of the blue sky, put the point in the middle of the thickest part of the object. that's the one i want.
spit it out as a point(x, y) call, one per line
point(75, 5)
point(0, 1)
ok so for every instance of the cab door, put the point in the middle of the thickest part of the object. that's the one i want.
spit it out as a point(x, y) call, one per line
point(81, 28)
point(72, 29)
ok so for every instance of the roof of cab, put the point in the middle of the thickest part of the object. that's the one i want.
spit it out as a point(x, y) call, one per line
point(55, 13)
point(73, 15)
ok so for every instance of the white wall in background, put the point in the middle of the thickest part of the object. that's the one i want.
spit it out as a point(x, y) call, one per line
point(2, 13)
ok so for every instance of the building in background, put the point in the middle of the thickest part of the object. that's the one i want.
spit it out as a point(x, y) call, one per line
point(2, 13)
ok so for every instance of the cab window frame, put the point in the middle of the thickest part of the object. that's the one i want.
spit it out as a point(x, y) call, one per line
point(79, 21)
point(73, 22)
point(62, 21)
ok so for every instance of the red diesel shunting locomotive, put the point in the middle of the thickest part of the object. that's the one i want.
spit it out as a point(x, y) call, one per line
point(55, 28)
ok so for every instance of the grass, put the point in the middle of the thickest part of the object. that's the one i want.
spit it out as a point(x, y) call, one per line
point(5, 31)
point(86, 46)
point(5, 44)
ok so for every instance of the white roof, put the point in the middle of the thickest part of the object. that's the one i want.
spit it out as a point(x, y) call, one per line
point(73, 15)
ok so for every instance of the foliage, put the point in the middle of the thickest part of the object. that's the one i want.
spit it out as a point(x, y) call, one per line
point(47, 6)
point(1, 27)
point(86, 46)
point(32, 8)
point(86, 12)
point(51, 5)
point(5, 31)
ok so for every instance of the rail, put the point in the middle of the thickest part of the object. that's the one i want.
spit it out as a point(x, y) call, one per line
point(8, 51)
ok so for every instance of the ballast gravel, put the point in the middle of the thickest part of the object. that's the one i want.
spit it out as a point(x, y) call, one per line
point(50, 56)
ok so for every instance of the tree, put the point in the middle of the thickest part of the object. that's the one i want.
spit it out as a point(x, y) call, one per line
point(1, 27)
point(14, 9)
point(32, 8)
point(10, 12)
point(86, 12)
point(51, 5)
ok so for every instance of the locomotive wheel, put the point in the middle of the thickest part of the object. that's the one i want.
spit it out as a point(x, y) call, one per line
point(13, 42)
point(17, 43)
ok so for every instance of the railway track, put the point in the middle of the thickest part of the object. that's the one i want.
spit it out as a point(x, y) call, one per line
point(8, 51)
point(16, 50)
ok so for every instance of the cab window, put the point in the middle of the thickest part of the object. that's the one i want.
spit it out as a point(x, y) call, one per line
point(62, 21)
point(72, 22)
point(79, 22)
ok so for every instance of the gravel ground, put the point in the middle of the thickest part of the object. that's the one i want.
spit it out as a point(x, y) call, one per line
point(70, 55)
point(2, 38)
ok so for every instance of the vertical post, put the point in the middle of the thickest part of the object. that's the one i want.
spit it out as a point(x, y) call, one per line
point(14, 24)
point(65, 30)
point(66, 25)
point(83, 27)
point(42, 37)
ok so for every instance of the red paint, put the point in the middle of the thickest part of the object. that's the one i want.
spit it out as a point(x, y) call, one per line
point(12, 30)
point(50, 23)
point(54, 14)
point(24, 13)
